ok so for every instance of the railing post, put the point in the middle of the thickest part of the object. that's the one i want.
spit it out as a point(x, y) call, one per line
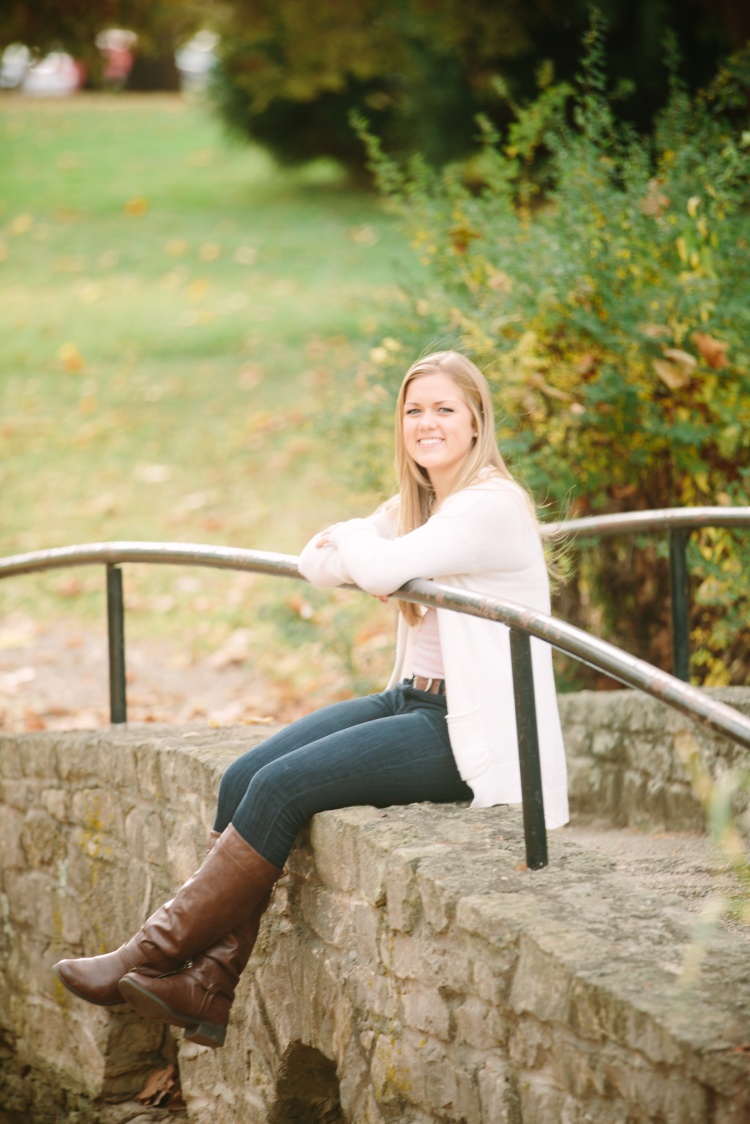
point(534, 828)
point(680, 607)
point(116, 637)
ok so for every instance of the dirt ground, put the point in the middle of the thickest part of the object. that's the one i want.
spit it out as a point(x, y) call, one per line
point(57, 678)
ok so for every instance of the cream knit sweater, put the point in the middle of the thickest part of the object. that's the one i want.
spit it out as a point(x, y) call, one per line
point(482, 540)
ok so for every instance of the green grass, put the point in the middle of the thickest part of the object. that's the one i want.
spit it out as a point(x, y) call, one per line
point(179, 319)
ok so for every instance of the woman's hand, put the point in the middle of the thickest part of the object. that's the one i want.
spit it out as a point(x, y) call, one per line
point(324, 538)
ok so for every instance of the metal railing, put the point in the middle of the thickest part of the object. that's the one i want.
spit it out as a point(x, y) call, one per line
point(523, 623)
point(679, 522)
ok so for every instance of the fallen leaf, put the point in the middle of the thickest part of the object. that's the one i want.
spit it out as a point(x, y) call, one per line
point(250, 376)
point(161, 1088)
point(235, 650)
point(71, 358)
point(69, 587)
point(152, 473)
point(672, 375)
point(12, 680)
point(655, 201)
point(21, 223)
point(136, 206)
point(587, 364)
point(33, 721)
point(713, 351)
point(682, 358)
point(656, 331)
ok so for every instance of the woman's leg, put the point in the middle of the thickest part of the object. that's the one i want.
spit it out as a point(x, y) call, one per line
point(305, 731)
point(402, 758)
point(221, 898)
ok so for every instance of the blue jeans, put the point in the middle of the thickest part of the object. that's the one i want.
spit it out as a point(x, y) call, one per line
point(390, 748)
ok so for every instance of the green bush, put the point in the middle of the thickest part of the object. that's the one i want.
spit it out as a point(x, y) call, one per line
point(601, 278)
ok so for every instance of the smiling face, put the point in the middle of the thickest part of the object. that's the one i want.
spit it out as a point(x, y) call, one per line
point(438, 428)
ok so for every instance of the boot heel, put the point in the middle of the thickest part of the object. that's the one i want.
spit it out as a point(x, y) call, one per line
point(207, 1034)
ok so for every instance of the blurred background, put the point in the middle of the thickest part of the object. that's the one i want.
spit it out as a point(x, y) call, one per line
point(227, 229)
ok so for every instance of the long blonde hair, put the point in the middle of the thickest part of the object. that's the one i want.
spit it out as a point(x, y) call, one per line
point(416, 495)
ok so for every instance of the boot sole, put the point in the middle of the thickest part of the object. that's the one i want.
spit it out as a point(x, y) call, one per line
point(196, 1030)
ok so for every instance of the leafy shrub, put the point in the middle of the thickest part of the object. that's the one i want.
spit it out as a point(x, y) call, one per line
point(601, 279)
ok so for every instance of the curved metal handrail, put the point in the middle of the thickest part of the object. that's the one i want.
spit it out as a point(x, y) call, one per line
point(619, 665)
point(576, 642)
point(678, 522)
point(660, 519)
point(522, 621)
point(172, 553)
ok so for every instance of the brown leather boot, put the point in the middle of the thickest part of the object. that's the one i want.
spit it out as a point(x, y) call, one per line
point(222, 895)
point(200, 996)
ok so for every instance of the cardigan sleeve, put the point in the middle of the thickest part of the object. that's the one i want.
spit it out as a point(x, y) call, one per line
point(482, 529)
point(324, 565)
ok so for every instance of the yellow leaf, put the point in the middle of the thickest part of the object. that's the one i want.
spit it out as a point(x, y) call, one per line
point(21, 223)
point(71, 358)
point(136, 206)
point(670, 374)
point(682, 358)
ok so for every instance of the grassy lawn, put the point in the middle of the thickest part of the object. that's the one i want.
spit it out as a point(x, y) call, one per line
point(179, 319)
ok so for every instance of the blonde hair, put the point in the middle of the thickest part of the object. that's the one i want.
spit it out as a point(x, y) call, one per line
point(416, 494)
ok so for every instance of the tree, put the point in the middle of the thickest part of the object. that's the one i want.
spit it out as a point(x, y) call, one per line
point(607, 302)
point(421, 70)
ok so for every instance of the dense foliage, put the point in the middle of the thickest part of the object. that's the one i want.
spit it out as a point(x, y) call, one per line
point(601, 279)
point(422, 69)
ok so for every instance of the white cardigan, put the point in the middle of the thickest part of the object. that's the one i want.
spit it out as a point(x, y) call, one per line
point(482, 540)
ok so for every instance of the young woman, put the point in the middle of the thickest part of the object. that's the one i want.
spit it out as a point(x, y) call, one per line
point(443, 730)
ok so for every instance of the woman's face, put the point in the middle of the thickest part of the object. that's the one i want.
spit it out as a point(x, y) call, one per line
point(438, 427)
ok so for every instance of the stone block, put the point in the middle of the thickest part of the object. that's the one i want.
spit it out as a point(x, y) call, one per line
point(541, 983)
point(18, 794)
point(424, 1009)
point(144, 834)
point(392, 1078)
point(336, 841)
point(148, 774)
point(428, 959)
point(78, 760)
point(480, 1024)
point(11, 825)
point(498, 1096)
point(42, 841)
point(99, 815)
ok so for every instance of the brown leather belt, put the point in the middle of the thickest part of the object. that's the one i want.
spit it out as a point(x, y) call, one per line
point(432, 686)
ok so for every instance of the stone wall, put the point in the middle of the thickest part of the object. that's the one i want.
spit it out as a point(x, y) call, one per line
point(410, 969)
point(634, 761)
